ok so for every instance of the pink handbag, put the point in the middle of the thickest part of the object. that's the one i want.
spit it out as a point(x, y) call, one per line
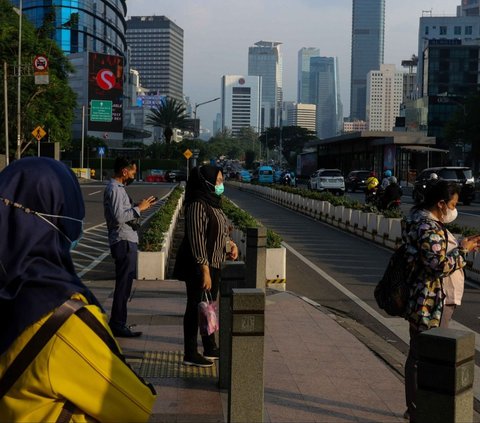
point(207, 315)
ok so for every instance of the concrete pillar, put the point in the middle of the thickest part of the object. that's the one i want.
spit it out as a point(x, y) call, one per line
point(233, 276)
point(245, 396)
point(256, 257)
point(445, 376)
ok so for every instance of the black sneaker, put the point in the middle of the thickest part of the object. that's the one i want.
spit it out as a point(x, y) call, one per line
point(125, 332)
point(197, 360)
point(213, 354)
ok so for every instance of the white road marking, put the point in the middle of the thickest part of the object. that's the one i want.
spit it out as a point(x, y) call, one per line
point(83, 254)
point(93, 264)
point(396, 324)
point(95, 192)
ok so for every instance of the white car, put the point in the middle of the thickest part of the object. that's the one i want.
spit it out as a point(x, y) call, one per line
point(327, 180)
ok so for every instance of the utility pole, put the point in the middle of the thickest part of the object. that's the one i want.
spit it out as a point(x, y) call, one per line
point(5, 88)
point(195, 115)
point(19, 84)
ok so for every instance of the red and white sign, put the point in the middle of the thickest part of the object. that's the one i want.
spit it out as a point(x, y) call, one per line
point(40, 63)
point(106, 79)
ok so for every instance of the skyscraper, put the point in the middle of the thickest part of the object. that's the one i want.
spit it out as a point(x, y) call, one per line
point(265, 60)
point(384, 96)
point(97, 26)
point(325, 88)
point(303, 73)
point(156, 45)
point(368, 29)
point(241, 102)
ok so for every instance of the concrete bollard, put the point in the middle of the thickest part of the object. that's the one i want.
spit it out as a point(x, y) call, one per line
point(445, 376)
point(233, 276)
point(256, 258)
point(245, 395)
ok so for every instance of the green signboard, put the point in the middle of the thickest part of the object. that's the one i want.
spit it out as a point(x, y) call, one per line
point(100, 111)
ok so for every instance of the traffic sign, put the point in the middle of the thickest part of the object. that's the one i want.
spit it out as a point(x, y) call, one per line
point(39, 133)
point(40, 63)
point(101, 110)
point(187, 153)
point(101, 151)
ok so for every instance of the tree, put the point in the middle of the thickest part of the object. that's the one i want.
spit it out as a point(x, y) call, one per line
point(49, 106)
point(169, 114)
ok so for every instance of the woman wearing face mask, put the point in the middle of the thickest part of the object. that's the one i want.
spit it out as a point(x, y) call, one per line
point(58, 359)
point(437, 259)
point(203, 250)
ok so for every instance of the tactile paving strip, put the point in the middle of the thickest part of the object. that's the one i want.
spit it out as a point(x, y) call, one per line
point(168, 364)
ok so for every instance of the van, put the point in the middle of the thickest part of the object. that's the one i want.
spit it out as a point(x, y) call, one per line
point(265, 175)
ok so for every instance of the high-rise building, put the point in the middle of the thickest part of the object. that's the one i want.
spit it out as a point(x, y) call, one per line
point(469, 8)
point(265, 60)
point(302, 115)
point(303, 73)
point(156, 45)
point(325, 88)
point(368, 30)
point(241, 102)
point(384, 96)
point(96, 26)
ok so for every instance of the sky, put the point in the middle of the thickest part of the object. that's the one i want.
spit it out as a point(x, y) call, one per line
point(218, 33)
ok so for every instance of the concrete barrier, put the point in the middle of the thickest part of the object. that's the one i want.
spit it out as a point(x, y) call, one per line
point(256, 258)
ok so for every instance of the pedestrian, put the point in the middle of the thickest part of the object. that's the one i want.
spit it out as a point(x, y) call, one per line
point(434, 263)
point(205, 247)
point(58, 358)
point(123, 221)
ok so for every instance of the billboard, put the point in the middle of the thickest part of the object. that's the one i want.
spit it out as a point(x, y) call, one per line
point(105, 93)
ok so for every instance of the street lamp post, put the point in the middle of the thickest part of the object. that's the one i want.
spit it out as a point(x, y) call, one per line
point(19, 83)
point(195, 132)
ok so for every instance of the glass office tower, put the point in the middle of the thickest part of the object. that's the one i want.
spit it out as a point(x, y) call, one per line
point(368, 29)
point(303, 73)
point(81, 25)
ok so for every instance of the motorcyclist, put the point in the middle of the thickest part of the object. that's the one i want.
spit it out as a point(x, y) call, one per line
point(391, 195)
point(386, 179)
point(372, 186)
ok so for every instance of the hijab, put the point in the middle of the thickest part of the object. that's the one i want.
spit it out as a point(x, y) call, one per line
point(201, 186)
point(36, 270)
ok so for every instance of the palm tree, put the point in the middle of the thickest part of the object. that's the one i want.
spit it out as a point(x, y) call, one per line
point(168, 114)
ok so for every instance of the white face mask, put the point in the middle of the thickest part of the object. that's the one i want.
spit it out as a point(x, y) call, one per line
point(450, 215)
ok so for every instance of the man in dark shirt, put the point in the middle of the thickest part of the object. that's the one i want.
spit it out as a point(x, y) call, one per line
point(122, 218)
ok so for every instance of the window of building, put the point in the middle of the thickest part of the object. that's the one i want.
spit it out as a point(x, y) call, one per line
point(468, 30)
point(457, 30)
point(426, 30)
point(443, 30)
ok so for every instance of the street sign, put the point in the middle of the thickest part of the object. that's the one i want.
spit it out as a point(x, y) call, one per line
point(101, 110)
point(101, 151)
point(39, 133)
point(40, 63)
point(187, 153)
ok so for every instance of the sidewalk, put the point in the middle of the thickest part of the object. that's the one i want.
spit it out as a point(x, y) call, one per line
point(315, 370)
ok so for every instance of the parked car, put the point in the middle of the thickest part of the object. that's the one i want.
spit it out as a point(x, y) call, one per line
point(156, 175)
point(462, 176)
point(327, 180)
point(355, 180)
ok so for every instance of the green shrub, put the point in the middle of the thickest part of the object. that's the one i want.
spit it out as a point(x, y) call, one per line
point(243, 220)
point(152, 237)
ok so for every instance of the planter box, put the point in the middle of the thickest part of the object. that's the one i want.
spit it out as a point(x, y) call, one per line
point(395, 235)
point(276, 268)
point(151, 265)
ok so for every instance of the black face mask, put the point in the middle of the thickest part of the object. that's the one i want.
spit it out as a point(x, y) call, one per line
point(128, 181)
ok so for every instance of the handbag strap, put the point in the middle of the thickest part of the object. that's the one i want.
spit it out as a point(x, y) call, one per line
point(36, 343)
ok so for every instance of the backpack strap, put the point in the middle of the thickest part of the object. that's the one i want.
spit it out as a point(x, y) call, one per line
point(36, 343)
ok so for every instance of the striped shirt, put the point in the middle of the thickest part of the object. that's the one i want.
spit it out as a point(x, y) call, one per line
point(207, 232)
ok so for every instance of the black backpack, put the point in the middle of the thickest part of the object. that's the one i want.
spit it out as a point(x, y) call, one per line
point(393, 290)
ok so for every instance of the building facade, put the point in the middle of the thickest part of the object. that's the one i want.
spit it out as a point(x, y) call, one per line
point(265, 60)
point(156, 45)
point(325, 88)
point(368, 32)
point(90, 25)
point(303, 115)
point(241, 100)
point(384, 97)
point(303, 73)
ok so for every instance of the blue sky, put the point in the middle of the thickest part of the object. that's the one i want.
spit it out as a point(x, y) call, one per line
point(217, 34)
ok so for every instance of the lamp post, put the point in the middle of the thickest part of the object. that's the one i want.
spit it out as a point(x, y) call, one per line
point(195, 132)
point(19, 83)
